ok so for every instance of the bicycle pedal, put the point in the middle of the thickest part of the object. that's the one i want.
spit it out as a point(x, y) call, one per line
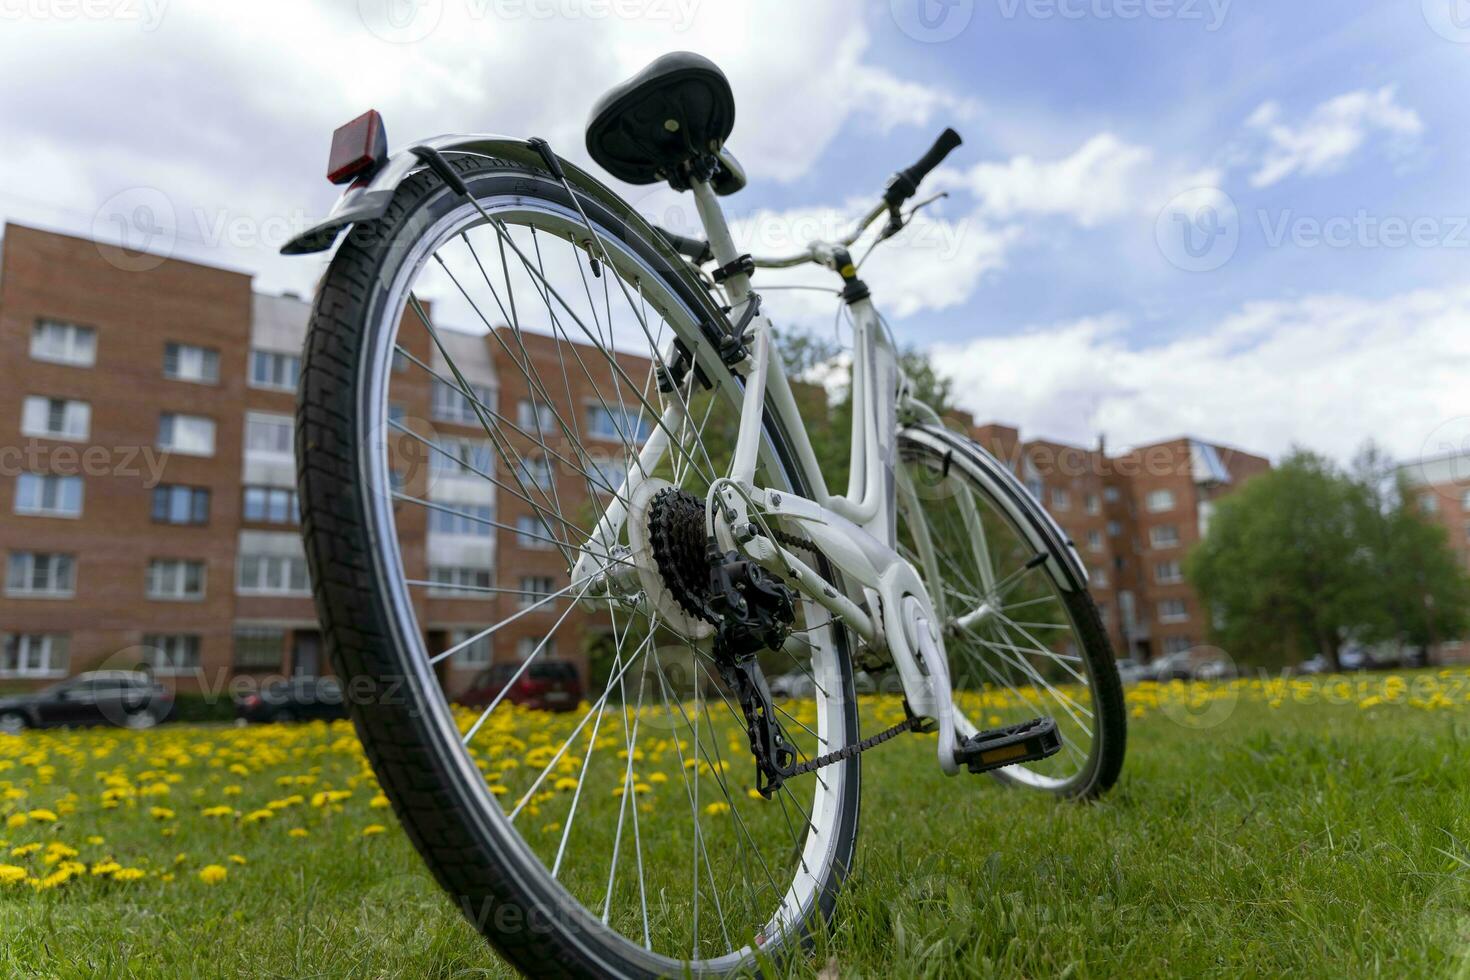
point(1026, 742)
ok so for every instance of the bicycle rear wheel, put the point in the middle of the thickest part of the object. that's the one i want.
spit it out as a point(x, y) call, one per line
point(619, 836)
point(1023, 639)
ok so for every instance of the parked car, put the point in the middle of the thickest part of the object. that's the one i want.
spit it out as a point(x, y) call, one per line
point(296, 699)
point(1197, 664)
point(1130, 671)
point(127, 698)
point(800, 684)
point(550, 685)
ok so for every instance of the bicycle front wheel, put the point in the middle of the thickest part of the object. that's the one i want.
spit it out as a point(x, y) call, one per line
point(560, 749)
point(1023, 638)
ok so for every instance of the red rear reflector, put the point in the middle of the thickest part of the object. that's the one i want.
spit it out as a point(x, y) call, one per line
point(357, 148)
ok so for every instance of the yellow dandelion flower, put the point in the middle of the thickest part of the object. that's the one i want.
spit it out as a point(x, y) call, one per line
point(754, 794)
point(95, 840)
point(213, 874)
point(659, 777)
point(550, 828)
point(160, 813)
point(642, 788)
point(16, 820)
point(12, 875)
point(717, 808)
point(43, 816)
point(373, 829)
point(24, 849)
point(378, 802)
point(237, 859)
point(218, 811)
point(129, 874)
point(566, 782)
point(297, 832)
point(104, 868)
point(499, 790)
point(232, 791)
point(256, 816)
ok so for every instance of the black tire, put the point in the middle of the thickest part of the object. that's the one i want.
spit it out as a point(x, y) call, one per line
point(401, 724)
point(1014, 507)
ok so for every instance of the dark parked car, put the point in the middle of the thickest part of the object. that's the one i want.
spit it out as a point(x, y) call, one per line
point(297, 699)
point(551, 685)
point(130, 699)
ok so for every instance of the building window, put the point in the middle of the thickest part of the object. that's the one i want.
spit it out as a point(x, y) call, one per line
point(1168, 573)
point(271, 505)
point(270, 434)
point(608, 475)
point(1163, 536)
point(535, 470)
point(477, 653)
point(1061, 499)
point(272, 369)
point(533, 534)
point(44, 495)
point(175, 578)
point(625, 423)
point(188, 435)
point(55, 418)
point(451, 405)
point(461, 456)
point(1428, 503)
point(272, 575)
point(259, 647)
point(1114, 529)
point(185, 362)
point(535, 418)
point(1177, 644)
point(35, 655)
point(64, 343)
point(1159, 501)
point(460, 582)
point(1094, 541)
point(527, 647)
point(400, 361)
point(534, 588)
point(1033, 487)
point(1093, 504)
point(1465, 501)
point(1098, 578)
point(180, 505)
point(1173, 611)
point(463, 520)
point(172, 653)
point(1110, 494)
point(39, 575)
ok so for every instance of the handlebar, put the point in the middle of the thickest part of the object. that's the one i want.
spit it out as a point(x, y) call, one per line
point(901, 186)
point(904, 184)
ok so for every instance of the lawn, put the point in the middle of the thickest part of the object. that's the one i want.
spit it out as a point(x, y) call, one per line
point(1316, 828)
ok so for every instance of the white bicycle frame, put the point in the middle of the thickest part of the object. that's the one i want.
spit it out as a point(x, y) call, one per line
point(856, 530)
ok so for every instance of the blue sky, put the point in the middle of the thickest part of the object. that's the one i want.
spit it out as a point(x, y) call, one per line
point(1298, 143)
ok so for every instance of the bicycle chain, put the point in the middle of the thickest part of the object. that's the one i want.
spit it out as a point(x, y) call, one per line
point(847, 752)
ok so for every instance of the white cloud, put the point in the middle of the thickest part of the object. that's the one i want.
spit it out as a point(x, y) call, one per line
point(1103, 179)
point(1334, 131)
point(1326, 372)
point(228, 109)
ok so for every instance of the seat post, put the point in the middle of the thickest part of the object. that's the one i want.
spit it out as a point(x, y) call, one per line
point(712, 216)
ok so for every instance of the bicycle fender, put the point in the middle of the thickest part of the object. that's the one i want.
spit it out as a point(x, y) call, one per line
point(1043, 532)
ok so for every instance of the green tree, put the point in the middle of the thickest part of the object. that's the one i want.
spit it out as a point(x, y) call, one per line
point(1308, 556)
point(1283, 568)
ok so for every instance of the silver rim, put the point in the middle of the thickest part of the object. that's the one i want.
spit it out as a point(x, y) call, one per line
point(11, 724)
point(587, 824)
point(1025, 657)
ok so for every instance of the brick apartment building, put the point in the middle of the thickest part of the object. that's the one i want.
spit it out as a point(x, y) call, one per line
point(148, 508)
point(1133, 516)
point(1440, 486)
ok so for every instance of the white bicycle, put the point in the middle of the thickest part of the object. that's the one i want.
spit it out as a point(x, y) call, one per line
point(658, 472)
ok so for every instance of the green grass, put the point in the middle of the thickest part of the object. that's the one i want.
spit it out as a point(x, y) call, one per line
point(1311, 839)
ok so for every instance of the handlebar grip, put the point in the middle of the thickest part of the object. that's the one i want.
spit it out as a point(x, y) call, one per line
point(903, 184)
point(693, 249)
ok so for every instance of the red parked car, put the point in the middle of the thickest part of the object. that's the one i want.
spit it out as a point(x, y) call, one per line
point(550, 685)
